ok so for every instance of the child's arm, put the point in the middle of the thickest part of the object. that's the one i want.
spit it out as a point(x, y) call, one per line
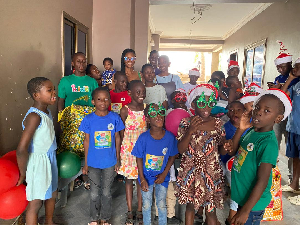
point(31, 123)
point(232, 95)
point(118, 148)
point(160, 178)
point(144, 184)
point(123, 115)
point(263, 174)
point(184, 142)
point(60, 104)
point(287, 83)
point(165, 104)
point(86, 142)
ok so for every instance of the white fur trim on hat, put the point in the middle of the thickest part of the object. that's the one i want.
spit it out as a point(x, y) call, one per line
point(283, 97)
point(194, 72)
point(297, 61)
point(281, 60)
point(247, 99)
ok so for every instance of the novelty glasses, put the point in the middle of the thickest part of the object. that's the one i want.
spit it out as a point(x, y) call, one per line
point(180, 97)
point(129, 58)
point(202, 103)
point(152, 112)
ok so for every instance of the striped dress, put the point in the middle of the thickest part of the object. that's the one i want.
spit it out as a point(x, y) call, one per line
point(135, 125)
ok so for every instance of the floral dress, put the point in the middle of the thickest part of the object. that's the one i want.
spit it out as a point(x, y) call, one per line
point(135, 125)
point(200, 177)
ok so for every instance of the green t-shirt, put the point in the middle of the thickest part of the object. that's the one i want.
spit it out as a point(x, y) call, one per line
point(73, 87)
point(255, 148)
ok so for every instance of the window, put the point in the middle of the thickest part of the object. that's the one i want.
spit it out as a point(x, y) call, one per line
point(234, 55)
point(254, 68)
point(75, 39)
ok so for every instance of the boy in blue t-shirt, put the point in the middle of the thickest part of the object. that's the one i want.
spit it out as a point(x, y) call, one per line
point(102, 146)
point(155, 152)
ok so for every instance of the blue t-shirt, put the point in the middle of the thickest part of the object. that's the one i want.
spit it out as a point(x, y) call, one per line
point(155, 154)
point(293, 124)
point(282, 79)
point(107, 76)
point(230, 131)
point(102, 146)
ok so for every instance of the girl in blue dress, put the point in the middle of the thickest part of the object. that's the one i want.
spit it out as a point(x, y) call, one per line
point(36, 152)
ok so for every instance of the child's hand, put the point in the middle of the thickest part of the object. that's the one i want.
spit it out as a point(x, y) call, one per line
point(195, 123)
point(21, 180)
point(228, 145)
point(85, 170)
point(240, 218)
point(144, 186)
point(245, 120)
point(160, 178)
point(117, 166)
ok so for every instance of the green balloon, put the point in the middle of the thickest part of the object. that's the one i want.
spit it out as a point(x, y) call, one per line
point(68, 164)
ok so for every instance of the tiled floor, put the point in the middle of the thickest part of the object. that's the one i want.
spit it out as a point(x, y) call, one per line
point(77, 210)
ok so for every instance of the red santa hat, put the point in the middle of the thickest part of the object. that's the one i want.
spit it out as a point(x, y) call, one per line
point(207, 89)
point(232, 64)
point(297, 61)
point(283, 97)
point(194, 72)
point(250, 93)
point(283, 57)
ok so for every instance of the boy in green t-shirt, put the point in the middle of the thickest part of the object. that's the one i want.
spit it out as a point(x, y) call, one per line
point(257, 154)
point(76, 85)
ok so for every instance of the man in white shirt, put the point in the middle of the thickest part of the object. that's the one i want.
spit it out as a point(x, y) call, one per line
point(194, 75)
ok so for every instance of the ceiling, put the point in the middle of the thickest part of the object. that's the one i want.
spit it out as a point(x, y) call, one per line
point(174, 20)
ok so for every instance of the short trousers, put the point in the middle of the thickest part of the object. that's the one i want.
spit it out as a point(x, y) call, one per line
point(293, 145)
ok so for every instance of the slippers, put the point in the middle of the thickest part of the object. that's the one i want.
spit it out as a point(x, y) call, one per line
point(295, 200)
point(287, 188)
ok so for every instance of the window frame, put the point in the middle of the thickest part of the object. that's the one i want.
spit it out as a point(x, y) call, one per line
point(71, 21)
point(252, 47)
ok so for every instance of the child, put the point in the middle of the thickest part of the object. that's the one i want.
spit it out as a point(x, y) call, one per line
point(153, 60)
point(293, 127)
point(233, 69)
point(194, 75)
point(178, 100)
point(135, 124)
point(155, 152)
point(92, 71)
point(155, 93)
point(76, 85)
point(235, 112)
point(108, 73)
point(102, 145)
point(119, 96)
point(127, 65)
point(200, 180)
point(36, 152)
point(257, 154)
point(250, 94)
point(169, 81)
point(235, 91)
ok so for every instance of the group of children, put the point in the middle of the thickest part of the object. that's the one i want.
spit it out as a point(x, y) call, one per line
point(126, 135)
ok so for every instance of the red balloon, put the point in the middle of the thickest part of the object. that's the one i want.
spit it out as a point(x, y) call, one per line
point(9, 175)
point(13, 202)
point(11, 156)
point(173, 120)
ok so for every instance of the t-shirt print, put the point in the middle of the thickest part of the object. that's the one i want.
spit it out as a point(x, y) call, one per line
point(154, 162)
point(239, 159)
point(102, 139)
point(80, 89)
point(116, 107)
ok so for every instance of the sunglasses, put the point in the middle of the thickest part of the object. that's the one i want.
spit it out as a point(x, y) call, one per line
point(129, 58)
point(180, 97)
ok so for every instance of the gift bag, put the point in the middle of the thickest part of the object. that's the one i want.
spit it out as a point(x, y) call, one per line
point(70, 119)
point(274, 212)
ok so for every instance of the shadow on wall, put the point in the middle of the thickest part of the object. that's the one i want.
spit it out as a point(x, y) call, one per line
point(15, 100)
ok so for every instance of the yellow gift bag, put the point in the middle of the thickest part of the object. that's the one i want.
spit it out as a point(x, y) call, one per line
point(70, 118)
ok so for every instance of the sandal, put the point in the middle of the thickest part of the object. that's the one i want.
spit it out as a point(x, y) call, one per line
point(287, 188)
point(77, 183)
point(87, 185)
point(198, 219)
point(129, 219)
point(104, 222)
point(139, 217)
point(295, 200)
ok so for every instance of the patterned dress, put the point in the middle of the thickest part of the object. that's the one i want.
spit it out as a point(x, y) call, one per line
point(135, 124)
point(200, 177)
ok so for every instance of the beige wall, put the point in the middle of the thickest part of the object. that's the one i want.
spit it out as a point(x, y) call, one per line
point(118, 25)
point(280, 21)
point(215, 61)
point(30, 46)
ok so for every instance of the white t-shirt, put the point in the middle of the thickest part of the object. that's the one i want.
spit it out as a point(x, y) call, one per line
point(155, 94)
point(187, 87)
